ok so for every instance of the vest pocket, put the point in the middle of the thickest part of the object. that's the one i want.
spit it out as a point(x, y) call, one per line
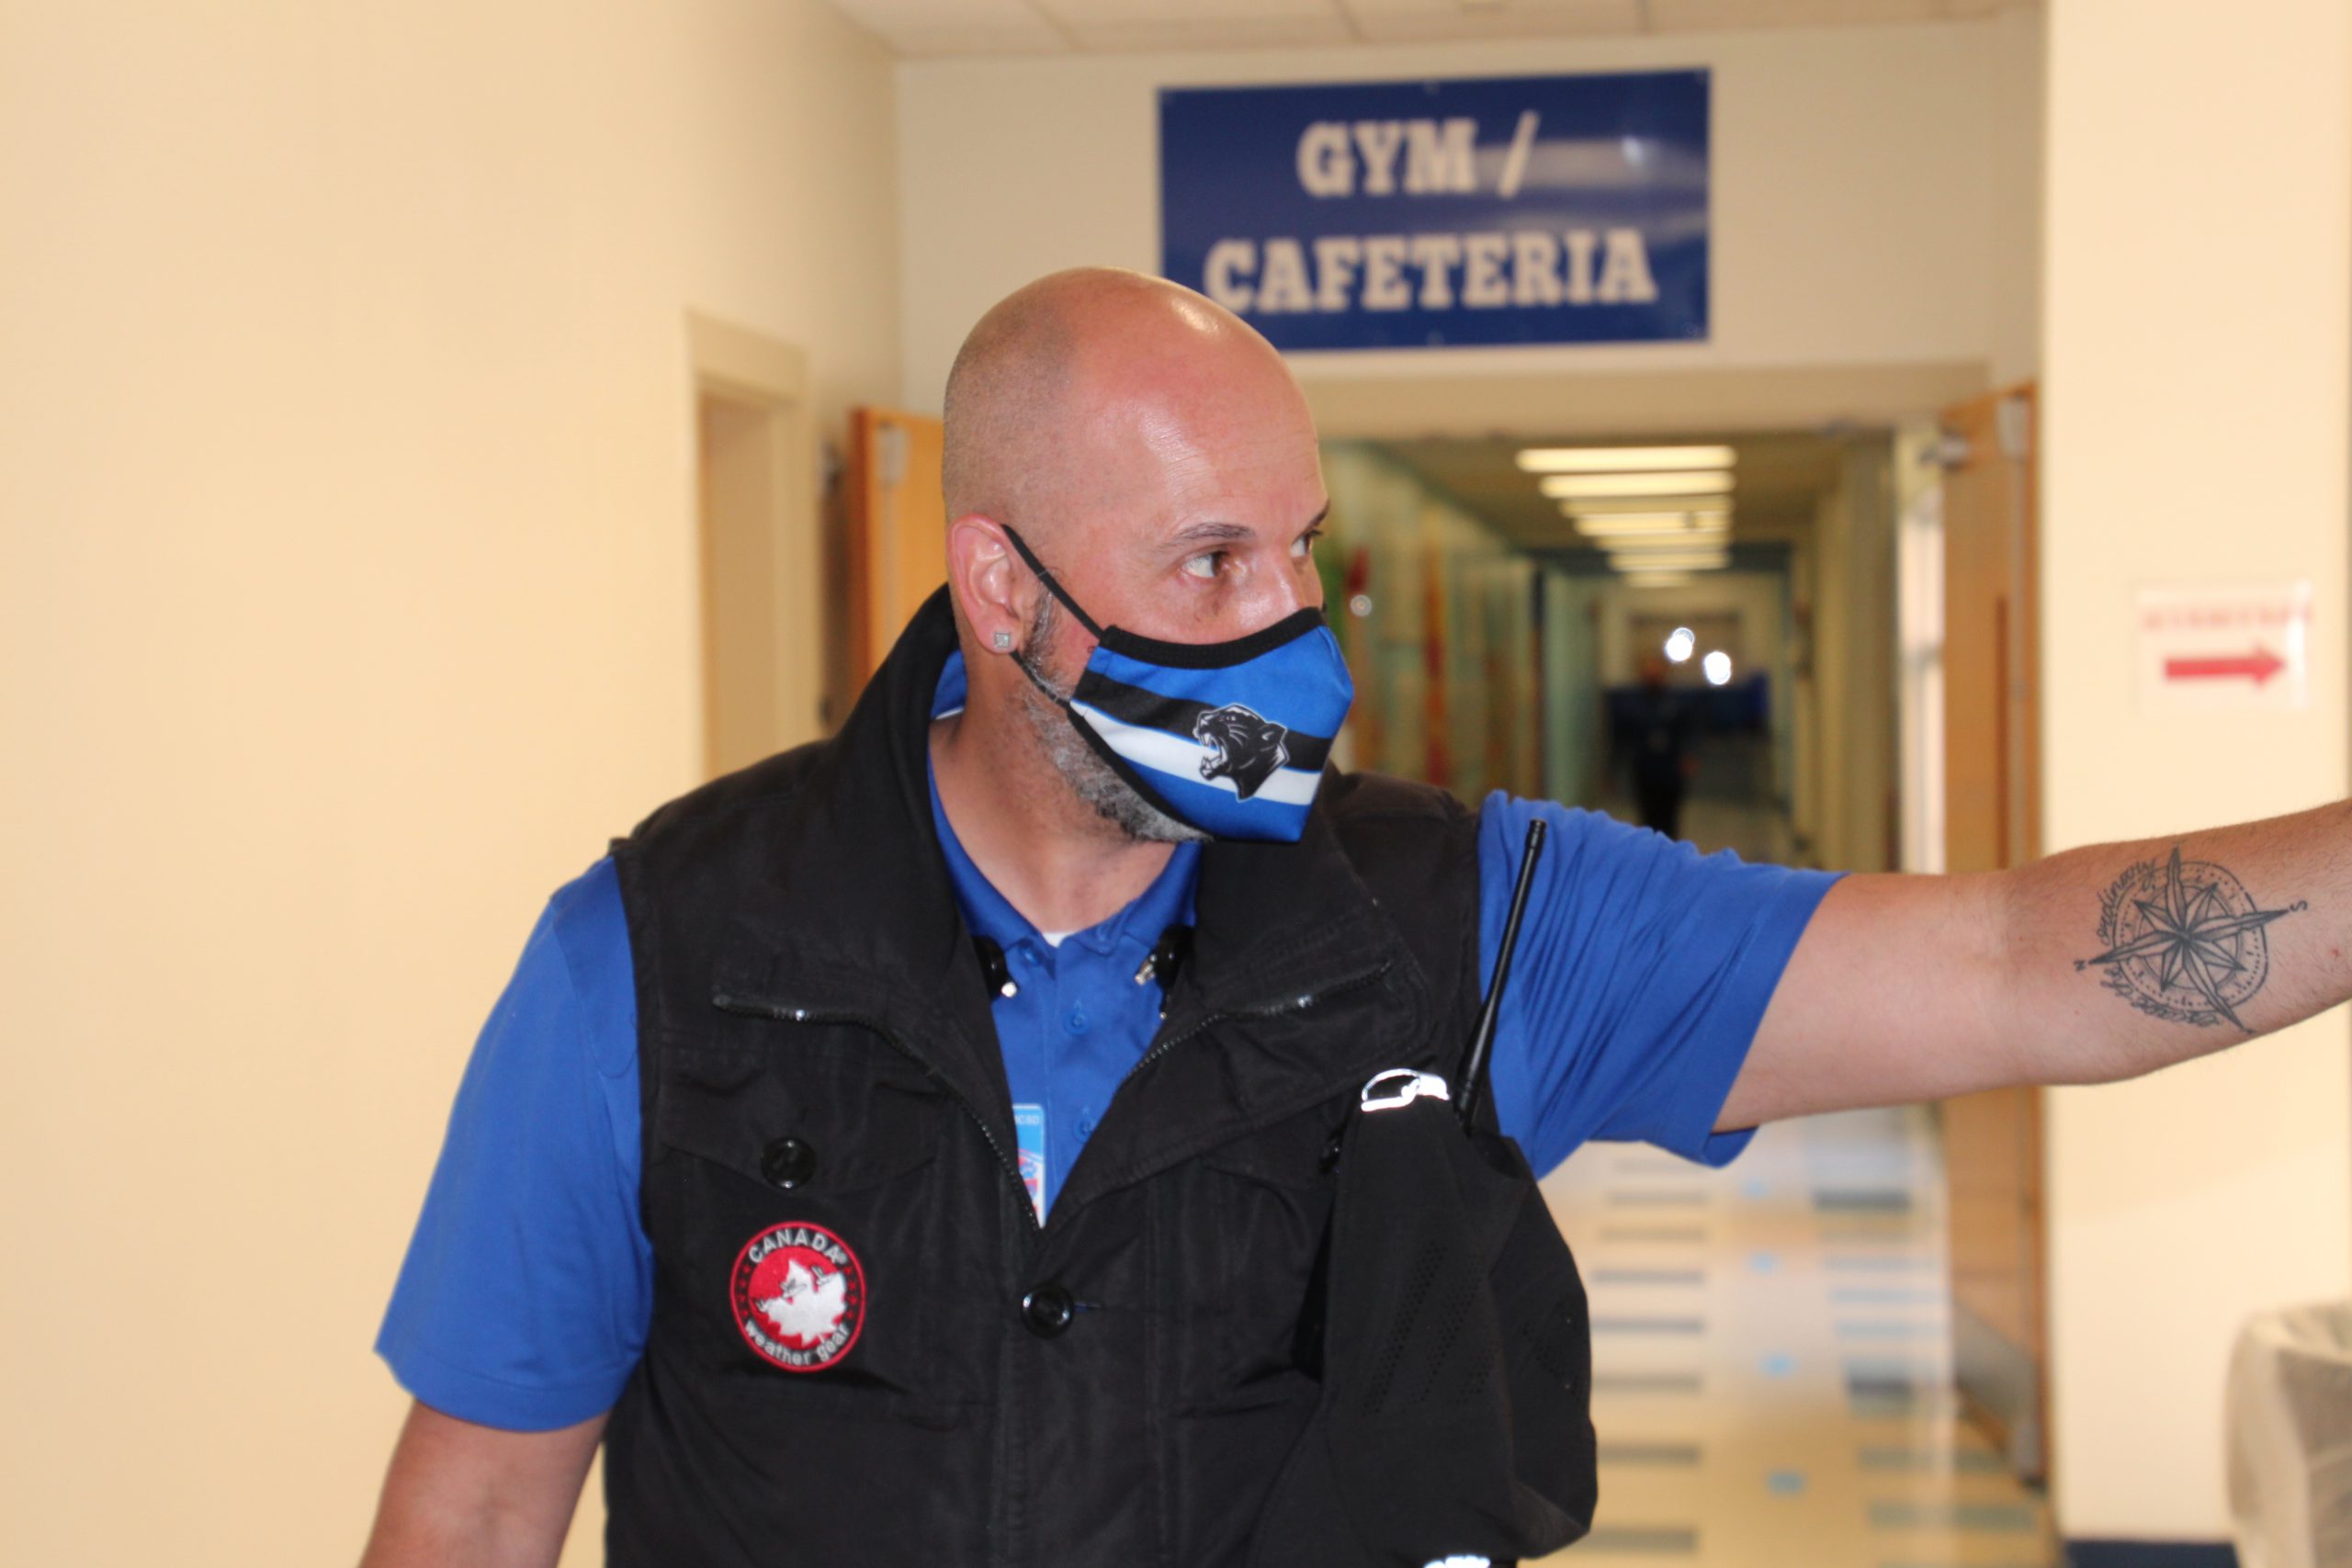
point(1248, 1226)
point(793, 1207)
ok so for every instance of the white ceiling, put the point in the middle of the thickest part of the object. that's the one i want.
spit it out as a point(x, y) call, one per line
point(935, 28)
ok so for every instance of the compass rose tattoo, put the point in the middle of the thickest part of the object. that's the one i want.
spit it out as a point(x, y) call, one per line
point(2185, 941)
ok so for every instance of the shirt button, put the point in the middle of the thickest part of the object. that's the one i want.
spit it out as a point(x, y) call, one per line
point(1076, 1021)
point(1048, 1311)
point(1086, 1124)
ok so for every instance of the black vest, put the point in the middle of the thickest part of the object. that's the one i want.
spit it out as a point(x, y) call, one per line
point(816, 1050)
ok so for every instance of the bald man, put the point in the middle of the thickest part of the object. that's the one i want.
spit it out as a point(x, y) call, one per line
point(915, 1147)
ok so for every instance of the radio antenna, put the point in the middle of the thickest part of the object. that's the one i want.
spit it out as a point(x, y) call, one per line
point(1482, 1040)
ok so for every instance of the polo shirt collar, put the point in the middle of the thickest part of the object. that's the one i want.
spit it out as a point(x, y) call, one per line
point(1134, 929)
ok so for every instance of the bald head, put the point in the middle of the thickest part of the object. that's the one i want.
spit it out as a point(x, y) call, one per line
point(1153, 452)
point(1075, 361)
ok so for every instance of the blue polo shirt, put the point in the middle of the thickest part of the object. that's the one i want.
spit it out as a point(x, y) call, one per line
point(523, 1301)
point(1082, 1006)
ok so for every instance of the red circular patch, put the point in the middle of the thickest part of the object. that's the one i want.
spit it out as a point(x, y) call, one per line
point(799, 1296)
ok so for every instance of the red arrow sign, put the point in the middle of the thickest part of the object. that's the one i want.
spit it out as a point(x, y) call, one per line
point(2261, 664)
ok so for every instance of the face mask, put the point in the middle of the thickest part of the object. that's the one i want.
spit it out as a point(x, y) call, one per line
point(1227, 737)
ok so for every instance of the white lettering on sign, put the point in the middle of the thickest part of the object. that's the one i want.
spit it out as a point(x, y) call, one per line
point(1580, 265)
point(1229, 262)
point(1437, 255)
point(1282, 287)
point(1335, 270)
point(1625, 270)
point(2224, 647)
point(1441, 272)
point(1534, 268)
point(1325, 167)
point(1377, 141)
point(1440, 157)
point(1384, 287)
point(1485, 271)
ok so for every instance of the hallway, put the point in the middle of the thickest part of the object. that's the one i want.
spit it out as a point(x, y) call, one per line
point(1772, 1366)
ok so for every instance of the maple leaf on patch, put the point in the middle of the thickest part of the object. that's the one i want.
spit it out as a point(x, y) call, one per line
point(810, 1305)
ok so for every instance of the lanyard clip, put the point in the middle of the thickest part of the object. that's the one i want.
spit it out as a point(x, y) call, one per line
point(994, 969)
point(1401, 1086)
point(1167, 956)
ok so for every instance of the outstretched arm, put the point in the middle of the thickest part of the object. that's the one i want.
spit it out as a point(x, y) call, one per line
point(2100, 963)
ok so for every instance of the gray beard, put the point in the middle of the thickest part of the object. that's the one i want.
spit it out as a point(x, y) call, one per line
point(1081, 767)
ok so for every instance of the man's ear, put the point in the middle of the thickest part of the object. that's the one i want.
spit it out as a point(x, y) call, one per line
point(983, 575)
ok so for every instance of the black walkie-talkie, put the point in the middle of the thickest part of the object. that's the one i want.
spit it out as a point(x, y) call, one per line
point(1472, 1082)
point(1447, 1324)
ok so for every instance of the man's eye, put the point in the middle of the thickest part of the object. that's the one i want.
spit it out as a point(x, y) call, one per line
point(1203, 566)
point(1302, 546)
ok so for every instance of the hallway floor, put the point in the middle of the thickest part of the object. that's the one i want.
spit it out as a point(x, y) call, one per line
point(1771, 1359)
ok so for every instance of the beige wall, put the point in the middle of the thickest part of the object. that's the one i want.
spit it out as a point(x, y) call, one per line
point(1849, 591)
point(1869, 203)
point(2016, 132)
point(349, 605)
point(2198, 357)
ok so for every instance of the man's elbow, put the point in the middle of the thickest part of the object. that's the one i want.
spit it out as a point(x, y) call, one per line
point(458, 1495)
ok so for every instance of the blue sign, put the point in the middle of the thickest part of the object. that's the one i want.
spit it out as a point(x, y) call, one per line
point(1418, 214)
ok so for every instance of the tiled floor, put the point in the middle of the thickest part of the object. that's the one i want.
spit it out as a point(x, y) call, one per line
point(1771, 1362)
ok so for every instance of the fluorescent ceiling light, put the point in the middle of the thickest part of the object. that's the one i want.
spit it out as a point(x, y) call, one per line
point(1622, 459)
point(1670, 560)
point(1684, 525)
point(1619, 505)
point(1667, 544)
point(1581, 487)
point(1655, 579)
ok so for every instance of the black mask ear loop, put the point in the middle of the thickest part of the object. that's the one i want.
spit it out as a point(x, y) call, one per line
point(1053, 585)
point(1023, 656)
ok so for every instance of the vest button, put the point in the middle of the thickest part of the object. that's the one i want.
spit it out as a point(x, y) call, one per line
point(787, 1163)
point(1048, 1311)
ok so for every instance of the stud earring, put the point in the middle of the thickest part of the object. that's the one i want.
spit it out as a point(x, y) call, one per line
point(1003, 641)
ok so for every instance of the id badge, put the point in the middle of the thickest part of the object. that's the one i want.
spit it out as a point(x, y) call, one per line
point(1029, 1127)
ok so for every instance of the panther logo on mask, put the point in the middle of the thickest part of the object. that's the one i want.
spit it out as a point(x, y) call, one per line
point(1241, 746)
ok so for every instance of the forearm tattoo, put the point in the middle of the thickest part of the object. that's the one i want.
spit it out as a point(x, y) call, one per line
point(2185, 941)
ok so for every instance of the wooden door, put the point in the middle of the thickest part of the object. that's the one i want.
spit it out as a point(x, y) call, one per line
point(896, 529)
point(1991, 771)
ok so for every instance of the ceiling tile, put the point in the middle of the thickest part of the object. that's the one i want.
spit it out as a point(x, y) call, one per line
point(941, 28)
point(1429, 21)
point(1213, 32)
point(1121, 13)
point(881, 13)
point(1701, 16)
point(932, 27)
point(953, 42)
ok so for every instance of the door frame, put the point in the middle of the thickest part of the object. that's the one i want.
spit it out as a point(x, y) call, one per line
point(760, 667)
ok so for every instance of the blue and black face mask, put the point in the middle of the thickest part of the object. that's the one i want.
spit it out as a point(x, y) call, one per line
point(1227, 737)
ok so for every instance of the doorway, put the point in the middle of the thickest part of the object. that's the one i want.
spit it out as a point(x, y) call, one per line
point(756, 509)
